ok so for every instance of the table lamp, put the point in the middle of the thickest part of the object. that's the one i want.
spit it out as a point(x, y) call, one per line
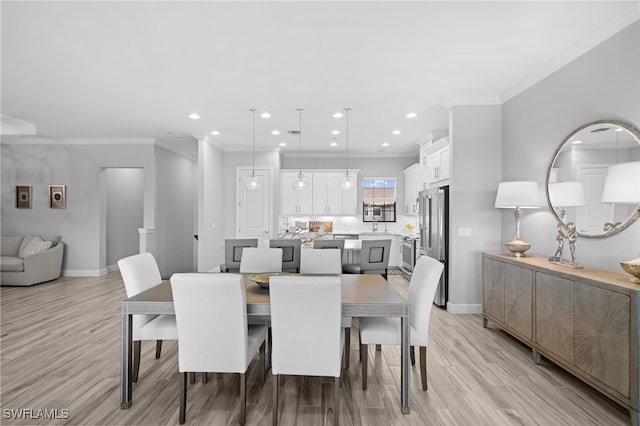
point(566, 194)
point(622, 186)
point(517, 195)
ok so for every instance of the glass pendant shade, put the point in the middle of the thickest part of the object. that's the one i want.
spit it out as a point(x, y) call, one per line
point(347, 182)
point(300, 184)
point(253, 182)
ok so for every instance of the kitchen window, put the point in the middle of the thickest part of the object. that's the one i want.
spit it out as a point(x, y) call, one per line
point(379, 199)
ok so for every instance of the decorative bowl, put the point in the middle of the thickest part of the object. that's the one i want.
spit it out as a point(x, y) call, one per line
point(632, 267)
point(263, 279)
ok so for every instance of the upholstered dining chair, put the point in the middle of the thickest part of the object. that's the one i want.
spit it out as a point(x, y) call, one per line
point(139, 273)
point(290, 253)
point(328, 261)
point(329, 244)
point(374, 258)
point(261, 259)
point(386, 331)
point(307, 337)
point(213, 334)
point(233, 253)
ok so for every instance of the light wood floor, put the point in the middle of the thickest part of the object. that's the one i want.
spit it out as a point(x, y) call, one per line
point(60, 346)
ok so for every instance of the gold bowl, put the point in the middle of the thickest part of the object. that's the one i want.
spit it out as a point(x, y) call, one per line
point(632, 267)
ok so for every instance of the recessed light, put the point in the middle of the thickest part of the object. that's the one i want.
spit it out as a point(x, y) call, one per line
point(334, 143)
point(411, 115)
point(194, 116)
point(282, 144)
point(265, 115)
point(576, 142)
point(215, 133)
point(337, 115)
point(275, 132)
point(385, 143)
point(335, 132)
point(396, 132)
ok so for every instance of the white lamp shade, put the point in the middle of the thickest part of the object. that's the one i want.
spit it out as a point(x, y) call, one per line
point(622, 185)
point(567, 194)
point(521, 194)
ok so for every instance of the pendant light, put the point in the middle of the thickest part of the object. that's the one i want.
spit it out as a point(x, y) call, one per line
point(253, 182)
point(347, 182)
point(300, 183)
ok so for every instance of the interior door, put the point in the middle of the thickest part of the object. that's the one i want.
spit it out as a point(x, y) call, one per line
point(254, 208)
point(590, 219)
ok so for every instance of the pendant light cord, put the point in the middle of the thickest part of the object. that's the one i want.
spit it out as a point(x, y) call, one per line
point(347, 110)
point(253, 148)
point(300, 110)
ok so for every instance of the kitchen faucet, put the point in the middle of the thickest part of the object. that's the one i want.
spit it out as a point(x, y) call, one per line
point(374, 225)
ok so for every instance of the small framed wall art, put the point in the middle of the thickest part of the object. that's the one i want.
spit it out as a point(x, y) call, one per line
point(23, 197)
point(57, 197)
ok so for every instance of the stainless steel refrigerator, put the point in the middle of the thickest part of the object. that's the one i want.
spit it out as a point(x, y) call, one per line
point(433, 222)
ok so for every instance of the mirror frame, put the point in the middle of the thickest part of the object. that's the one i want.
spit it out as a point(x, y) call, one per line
point(632, 218)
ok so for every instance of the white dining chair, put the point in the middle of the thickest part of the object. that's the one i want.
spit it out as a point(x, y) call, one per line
point(328, 261)
point(386, 331)
point(213, 334)
point(307, 337)
point(320, 261)
point(290, 253)
point(261, 259)
point(139, 273)
point(233, 248)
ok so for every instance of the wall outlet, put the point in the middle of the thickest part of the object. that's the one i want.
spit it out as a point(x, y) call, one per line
point(464, 232)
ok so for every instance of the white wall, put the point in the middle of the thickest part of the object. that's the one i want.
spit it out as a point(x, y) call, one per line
point(176, 191)
point(211, 189)
point(475, 150)
point(78, 165)
point(125, 212)
point(601, 84)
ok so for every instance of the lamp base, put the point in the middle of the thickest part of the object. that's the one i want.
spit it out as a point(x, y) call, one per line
point(517, 247)
point(633, 268)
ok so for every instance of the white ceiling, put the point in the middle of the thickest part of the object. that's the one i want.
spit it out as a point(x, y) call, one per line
point(109, 70)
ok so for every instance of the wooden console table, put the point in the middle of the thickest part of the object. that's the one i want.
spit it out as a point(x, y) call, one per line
point(584, 320)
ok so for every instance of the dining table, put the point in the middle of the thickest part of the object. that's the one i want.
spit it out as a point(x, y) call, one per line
point(363, 295)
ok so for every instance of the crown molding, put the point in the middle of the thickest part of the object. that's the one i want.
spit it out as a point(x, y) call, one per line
point(620, 22)
point(471, 100)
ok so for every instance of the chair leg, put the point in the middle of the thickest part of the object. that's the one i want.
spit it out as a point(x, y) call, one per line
point(423, 366)
point(378, 348)
point(364, 359)
point(192, 377)
point(336, 401)
point(243, 398)
point(183, 397)
point(136, 360)
point(274, 400)
point(270, 346)
point(205, 377)
point(413, 355)
point(158, 348)
point(347, 346)
point(360, 345)
point(262, 363)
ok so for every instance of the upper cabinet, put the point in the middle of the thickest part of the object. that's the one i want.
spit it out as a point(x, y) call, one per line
point(295, 201)
point(434, 164)
point(411, 189)
point(323, 196)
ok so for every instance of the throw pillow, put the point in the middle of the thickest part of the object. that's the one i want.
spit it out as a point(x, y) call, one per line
point(36, 245)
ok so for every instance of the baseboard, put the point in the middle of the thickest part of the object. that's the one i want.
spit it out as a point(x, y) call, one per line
point(456, 308)
point(112, 268)
point(84, 272)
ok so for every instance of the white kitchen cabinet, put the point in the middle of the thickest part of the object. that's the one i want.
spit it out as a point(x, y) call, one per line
point(295, 201)
point(327, 194)
point(411, 189)
point(438, 165)
point(350, 196)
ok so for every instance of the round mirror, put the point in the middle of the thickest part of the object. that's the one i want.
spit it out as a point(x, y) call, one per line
point(577, 173)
